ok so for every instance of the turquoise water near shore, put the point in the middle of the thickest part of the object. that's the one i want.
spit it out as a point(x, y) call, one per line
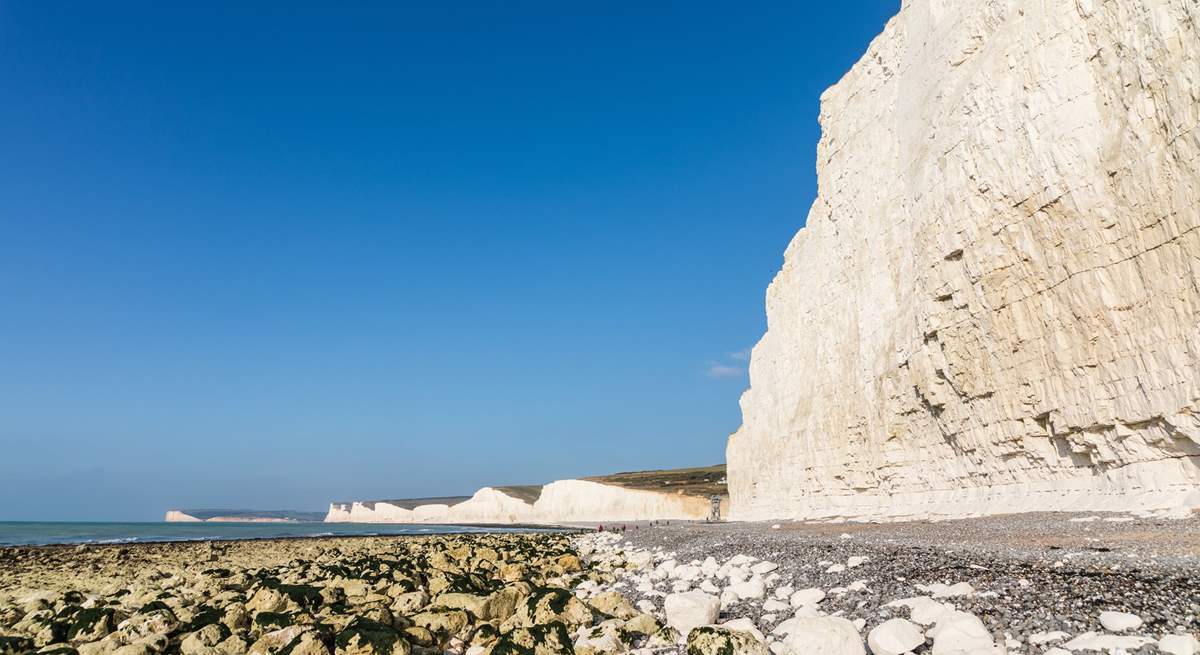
point(37, 533)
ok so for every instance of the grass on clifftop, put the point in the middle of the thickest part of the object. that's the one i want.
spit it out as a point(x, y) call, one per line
point(700, 481)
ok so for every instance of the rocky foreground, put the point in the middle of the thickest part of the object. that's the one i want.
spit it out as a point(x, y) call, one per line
point(1064, 586)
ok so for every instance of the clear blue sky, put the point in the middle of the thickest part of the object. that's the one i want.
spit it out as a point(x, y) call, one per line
point(271, 257)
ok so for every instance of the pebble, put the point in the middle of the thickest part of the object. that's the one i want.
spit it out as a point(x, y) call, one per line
point(1120, 621)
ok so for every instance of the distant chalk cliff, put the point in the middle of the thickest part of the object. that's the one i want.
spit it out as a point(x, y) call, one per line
point(678, 494)
point(240, 516)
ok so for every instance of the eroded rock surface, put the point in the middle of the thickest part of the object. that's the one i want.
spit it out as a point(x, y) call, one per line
point(995, 303)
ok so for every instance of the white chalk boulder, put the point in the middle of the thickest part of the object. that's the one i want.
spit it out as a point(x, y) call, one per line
point(828, 635)
point(895, 636)
point(1120, 621)
point(691, 609)
point(804, 597)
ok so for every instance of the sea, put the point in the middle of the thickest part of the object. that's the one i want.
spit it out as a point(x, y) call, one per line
point(38, 533)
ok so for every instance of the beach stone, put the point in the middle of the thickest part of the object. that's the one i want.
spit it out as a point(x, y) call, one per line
point(546, 605)
point(774, 605)
point(91, 624)
point(136, 648)
point(666, 637)
point(418, 635)
point(294, 640)
point(569, 563)
point(442, 623)
point(691, 609)
point(639, 559)
point(1039, 638)
point(829, 635)
point(1094, 641)
point(367, 637)
point(503, 602)
point(744, 625)
point(803, 597)
point(1120, 621)
point(763, 568)
point(643, 624)
point(203, 640)
point(267, 600)
point(613, 604)
point(719, 640)
point(475, 604)
point(13, 645)
point(234, 645)
point(544, 639)
point(751, 589)
point(236, 617)
point(1179, 645)
point(922, 609)
point(602, 638)
point(895, 636)
point(410, 602)
point(147, 624)
point(959, 632)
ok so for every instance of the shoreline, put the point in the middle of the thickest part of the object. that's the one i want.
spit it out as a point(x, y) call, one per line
point(1009, 587)
point(472, 528)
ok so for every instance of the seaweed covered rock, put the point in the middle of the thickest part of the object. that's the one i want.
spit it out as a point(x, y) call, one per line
point(715, 640)
point(546, 639)
point(546, 605)
point(612, 603)
point(373, 596)
point(606, 637)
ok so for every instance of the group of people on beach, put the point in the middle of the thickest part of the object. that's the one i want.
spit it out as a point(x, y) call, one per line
point(622, 528)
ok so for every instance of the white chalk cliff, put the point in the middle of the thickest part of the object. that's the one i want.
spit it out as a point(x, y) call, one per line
point(994, 305)
point(563, 501)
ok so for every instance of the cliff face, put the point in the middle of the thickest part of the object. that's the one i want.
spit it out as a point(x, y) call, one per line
point(995, 302)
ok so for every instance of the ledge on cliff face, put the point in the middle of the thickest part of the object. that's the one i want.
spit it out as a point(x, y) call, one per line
point(994, 305)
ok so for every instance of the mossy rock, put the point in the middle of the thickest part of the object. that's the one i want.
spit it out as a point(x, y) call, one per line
point(545, 605)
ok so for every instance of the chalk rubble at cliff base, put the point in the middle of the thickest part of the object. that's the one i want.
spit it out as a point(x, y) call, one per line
point(847, 596)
